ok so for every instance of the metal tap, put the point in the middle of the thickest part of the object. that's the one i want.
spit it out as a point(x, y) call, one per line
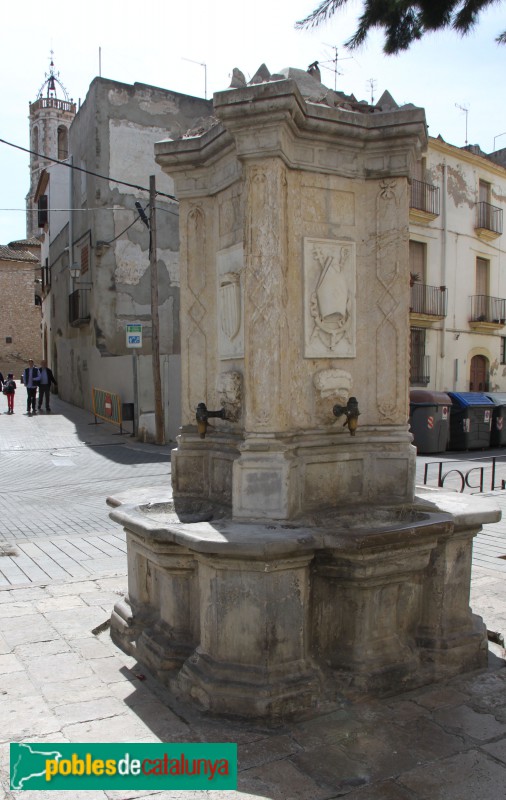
point(350, 410)
point(202, 415)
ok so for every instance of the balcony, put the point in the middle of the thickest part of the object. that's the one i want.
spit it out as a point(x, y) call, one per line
point(487, 313)
point(424, 202)
point(420, 370)
point(53, 102)
point(488, 221)
point(78, 307)
point(428, 304)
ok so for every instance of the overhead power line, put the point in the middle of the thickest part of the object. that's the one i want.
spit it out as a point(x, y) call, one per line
point(86, 171)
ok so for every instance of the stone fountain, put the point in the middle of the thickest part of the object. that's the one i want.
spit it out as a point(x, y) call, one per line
point(292, 563)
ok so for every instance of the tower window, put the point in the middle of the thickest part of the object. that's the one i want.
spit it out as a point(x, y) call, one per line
point(35, 139)
point(63, 142)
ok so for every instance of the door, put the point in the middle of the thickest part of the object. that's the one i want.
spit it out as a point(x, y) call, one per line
point(479, 374)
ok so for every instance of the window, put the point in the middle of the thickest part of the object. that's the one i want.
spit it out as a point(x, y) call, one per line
point(484, 192)
point(85, 258)
point(35, 139)
point(419, 362)
point(503, 349)
point(8, 340)
point(63, 143)
point(417, 261)
point(42, 216)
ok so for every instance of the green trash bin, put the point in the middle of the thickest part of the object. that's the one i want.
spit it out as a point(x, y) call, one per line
point(498, 432)
point(429, 420)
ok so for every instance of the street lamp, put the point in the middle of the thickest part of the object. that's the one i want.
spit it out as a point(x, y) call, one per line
point(75, 271)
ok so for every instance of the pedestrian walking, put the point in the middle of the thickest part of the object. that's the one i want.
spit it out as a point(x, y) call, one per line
point(9, 390)
point(1, 382)
point(46, 379)
point(30, 379)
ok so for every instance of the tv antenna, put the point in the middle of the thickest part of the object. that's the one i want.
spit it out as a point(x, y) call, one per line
point(201, 64)
point(466, 112)
point(334, 61)
point(371, 83)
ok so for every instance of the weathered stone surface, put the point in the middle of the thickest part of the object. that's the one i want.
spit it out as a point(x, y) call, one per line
point(279, 780)
point(386, 790)
point(84, 710)
point(273, 748)
point(63, 666)
point(497, 750)
point(441, 697)
point(9, 663)
point(464, 720)
point(86, 688)
point(469, 775)
point(120, 728)
point(26, 629)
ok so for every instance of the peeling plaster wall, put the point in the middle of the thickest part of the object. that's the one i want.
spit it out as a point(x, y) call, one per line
point(113, 135)
point(452, 247)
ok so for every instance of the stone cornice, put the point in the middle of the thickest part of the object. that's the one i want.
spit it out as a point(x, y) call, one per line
point(467, 156)
point(273, 120)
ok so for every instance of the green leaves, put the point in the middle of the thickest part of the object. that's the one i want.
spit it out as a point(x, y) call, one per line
point(404, 21)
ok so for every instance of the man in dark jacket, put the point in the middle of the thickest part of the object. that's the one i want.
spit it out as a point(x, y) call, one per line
point(30, 379)
point(46, 378)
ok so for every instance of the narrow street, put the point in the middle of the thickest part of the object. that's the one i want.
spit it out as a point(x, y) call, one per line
point(56, 471)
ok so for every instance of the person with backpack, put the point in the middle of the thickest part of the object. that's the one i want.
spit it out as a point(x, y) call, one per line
point(9, 391)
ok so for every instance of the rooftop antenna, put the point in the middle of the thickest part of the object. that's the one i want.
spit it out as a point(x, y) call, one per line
point(201, 64)
point(334, 61)
point(99, 62)
point(371, 83)
point(466, 112)
point(497, 137)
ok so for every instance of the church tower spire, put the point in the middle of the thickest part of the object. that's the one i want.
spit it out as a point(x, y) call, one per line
point(51, 115)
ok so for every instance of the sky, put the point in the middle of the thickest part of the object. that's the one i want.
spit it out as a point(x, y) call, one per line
point(166, 44)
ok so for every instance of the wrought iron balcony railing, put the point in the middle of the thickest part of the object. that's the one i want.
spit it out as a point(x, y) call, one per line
point(425, 197)
point(488, 309)
point(78, 307)
point(420, 370)
point(428, 300)
point(489, 217)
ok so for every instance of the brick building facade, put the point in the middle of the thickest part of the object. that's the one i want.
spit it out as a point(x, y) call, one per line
point(20, 310)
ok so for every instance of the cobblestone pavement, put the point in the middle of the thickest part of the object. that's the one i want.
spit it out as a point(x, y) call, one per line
point(55, 472)
point(63, 680)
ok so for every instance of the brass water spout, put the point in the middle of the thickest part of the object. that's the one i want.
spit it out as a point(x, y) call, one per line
point(203, 415)
point(352, 414)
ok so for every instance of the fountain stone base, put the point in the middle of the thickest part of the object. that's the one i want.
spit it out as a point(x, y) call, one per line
point(270, 619)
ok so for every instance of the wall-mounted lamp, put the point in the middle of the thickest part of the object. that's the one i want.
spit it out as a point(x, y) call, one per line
point(75, 271)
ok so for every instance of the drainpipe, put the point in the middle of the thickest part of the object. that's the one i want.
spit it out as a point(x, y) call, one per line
point(71, 226)
point(443, 261)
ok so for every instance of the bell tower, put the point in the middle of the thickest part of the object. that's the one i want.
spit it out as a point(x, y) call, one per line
point(50, 118)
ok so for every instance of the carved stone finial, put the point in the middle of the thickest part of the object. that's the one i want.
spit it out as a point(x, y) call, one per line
point(238, 81)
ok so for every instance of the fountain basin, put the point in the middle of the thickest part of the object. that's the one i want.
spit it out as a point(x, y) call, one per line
point(330, 605)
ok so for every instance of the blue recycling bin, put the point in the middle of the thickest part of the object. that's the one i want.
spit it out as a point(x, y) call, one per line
point(470, 420)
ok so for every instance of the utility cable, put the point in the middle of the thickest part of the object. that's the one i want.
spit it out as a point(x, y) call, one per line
point(86, 171)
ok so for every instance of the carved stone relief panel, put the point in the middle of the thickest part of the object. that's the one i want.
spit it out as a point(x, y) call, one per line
point(329, 298)
point(194, 310)
point(229, 265)
point(323, 201)
point(388, 244)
